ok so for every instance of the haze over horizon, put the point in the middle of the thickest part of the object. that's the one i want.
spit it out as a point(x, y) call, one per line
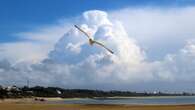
point(153, 44)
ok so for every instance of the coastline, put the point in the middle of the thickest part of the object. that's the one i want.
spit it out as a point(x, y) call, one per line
point(140, 97)
point(31, 104)
point(61, 99)
point(58, 100)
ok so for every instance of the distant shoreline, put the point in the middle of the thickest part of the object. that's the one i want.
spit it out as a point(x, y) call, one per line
point(51, 92)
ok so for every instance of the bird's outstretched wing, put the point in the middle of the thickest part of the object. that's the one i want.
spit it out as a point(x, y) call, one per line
point(82, 31)
point(103, 46)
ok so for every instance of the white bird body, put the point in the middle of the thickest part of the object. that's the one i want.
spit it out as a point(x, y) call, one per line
point(91, 41)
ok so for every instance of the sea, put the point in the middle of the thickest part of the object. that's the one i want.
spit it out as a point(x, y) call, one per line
point(160, 100)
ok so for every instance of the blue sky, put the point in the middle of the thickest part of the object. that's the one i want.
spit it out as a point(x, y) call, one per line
point(156, 46)
point(24, 15)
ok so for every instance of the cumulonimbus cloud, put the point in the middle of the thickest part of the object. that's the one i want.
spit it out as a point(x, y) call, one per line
point(94, 63)
point(73, 63)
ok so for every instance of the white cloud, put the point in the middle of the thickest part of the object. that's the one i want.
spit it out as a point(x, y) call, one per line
point(23, 51)
point(94, 63)
point(158, 30)
point(63, 57)
point(181, 65)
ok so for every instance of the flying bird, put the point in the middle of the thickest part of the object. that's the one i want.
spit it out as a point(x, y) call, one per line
point(91, 41)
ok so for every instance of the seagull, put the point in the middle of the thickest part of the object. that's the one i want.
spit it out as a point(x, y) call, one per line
point(91, 41)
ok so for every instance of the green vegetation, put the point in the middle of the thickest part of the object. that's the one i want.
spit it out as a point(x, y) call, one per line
point(38, 91)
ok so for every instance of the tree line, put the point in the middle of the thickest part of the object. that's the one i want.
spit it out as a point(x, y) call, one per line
point(39, 91)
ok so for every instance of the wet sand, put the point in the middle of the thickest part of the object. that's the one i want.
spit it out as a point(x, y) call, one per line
point(12, 106)
point(29, 104)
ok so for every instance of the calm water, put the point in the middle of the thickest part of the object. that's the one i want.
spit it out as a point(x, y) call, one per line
point(138, 100)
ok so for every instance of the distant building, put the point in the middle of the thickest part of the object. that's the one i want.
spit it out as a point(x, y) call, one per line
point(155, 92)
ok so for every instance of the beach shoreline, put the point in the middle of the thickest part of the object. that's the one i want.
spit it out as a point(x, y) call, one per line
point(31, 104)
point(51, 100)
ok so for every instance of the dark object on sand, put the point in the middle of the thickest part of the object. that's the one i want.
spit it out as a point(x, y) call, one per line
point(40, 99)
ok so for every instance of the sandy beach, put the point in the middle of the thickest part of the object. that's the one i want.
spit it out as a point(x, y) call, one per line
point(30, 104)
point(12, 106)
